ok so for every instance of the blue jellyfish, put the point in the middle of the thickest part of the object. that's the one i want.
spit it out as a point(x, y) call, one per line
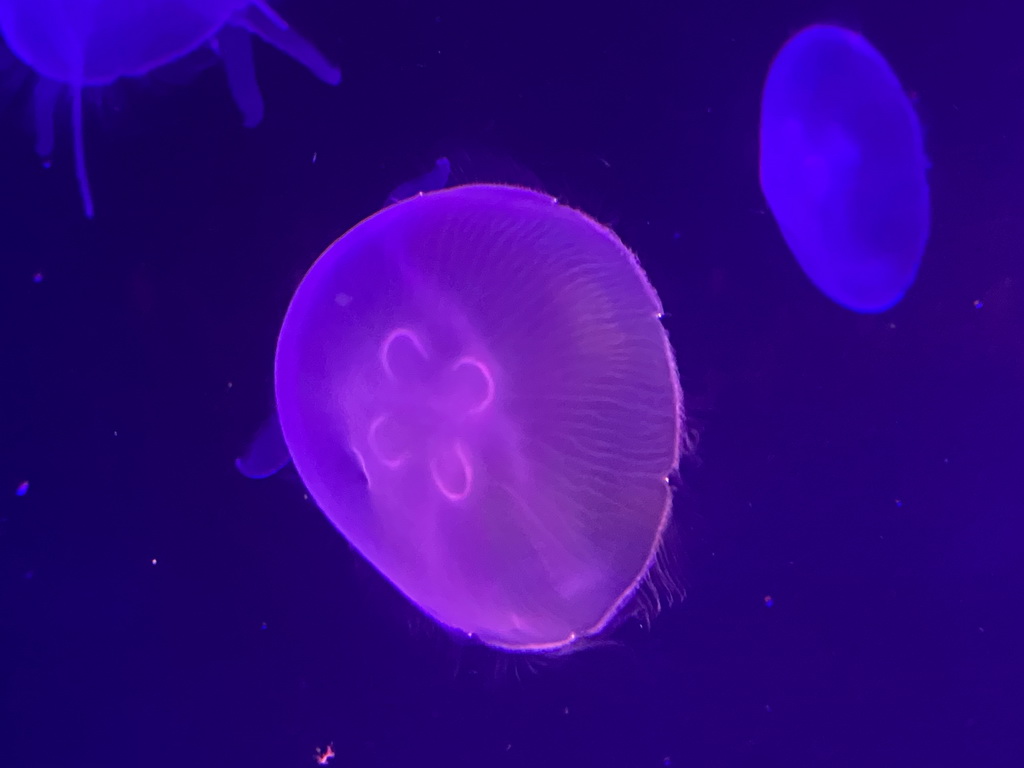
point(476, 388)
point(843, 167)
point(73, 44)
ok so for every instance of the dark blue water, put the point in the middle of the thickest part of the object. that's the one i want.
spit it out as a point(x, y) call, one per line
point(847, 533)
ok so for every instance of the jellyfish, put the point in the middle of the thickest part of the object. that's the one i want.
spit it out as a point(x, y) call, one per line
point(476, 388)
point(73, 44)
point(843, 167)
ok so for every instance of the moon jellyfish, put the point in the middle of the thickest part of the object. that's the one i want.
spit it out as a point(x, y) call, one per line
point(843, 167)
point(476, 388)
point(73, 44)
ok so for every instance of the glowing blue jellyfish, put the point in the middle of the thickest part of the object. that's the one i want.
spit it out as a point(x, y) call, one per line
point(75, 44)
point(476, 388)
point(843, 167)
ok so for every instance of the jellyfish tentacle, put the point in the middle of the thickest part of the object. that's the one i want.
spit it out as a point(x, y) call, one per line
point(235, 48)
point(44, 104)
point(276, 19)
point(434, 179)
point(79, 138)
point(269, 27)
point(74, 48)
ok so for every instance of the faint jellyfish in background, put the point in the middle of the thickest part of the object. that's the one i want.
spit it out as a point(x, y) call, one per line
point(843, 167)
point(481, 165)
point(476, 388)
point(74, 45)
point(267, 453)
point(434, 179)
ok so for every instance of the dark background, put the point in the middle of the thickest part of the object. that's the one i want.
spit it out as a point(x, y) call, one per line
point(158, 609)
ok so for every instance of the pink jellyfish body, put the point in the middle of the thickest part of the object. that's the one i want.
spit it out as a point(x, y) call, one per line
point(476, 388)
point(76, 44)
